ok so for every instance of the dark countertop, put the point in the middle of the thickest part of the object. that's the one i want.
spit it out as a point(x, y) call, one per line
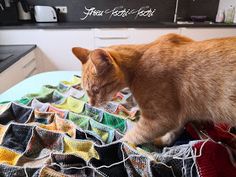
point(78, 25)
point(16, 51)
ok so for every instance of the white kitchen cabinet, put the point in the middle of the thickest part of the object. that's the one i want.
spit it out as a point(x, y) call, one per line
point(107, 37)
point(22, 69)
point(116, 36)
point(54, 45)
point(208, 33)
point(146, 35)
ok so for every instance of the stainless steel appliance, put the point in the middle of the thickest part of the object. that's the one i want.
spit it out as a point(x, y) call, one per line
point(23, 10)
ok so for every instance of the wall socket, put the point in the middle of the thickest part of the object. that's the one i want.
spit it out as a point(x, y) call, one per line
point(62, 9)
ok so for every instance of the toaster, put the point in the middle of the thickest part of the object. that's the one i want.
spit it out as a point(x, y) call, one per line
point(45, 14)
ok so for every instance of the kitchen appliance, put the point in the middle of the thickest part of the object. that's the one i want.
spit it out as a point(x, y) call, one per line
point(45, 14)
point(220, 17)
point(8, 12)
point(23, 10)
point(229, 15)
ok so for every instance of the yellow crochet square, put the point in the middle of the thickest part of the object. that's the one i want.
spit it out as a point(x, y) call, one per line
point(104, 135)
point(8, 156)
point(71, 104)
point(75, 81)
point(84, 149)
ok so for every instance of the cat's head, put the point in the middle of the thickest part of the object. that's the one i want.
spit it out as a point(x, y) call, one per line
point(101, 76)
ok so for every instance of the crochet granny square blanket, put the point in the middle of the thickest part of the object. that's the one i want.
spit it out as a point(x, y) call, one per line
point(55, 132)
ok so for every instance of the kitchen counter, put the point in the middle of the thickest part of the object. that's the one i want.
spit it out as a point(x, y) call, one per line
point(75, 25)
point(15, 53)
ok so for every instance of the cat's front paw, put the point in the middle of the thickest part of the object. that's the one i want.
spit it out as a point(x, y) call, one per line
point(132, 139)
point(165, 140)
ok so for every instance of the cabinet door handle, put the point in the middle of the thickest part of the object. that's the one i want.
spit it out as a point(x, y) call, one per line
point(30, 73)
point(27, 64)
point(112, 37)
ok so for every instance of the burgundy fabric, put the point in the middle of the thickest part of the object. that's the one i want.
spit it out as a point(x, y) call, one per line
point(214, 161)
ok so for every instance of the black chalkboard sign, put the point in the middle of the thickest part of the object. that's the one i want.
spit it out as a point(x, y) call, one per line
point(114, 10)
point(126, 10)
point(119, 12)
point(131, 11)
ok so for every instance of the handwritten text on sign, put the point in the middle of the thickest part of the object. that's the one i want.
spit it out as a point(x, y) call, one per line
point(119, 11)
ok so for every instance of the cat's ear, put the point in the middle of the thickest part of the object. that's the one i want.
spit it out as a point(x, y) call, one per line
point(81, 53)
point(102, 61)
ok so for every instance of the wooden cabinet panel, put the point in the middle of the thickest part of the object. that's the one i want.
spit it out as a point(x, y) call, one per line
point(17, 72)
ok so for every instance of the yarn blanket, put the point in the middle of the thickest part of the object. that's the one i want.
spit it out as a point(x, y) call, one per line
point(55, 132)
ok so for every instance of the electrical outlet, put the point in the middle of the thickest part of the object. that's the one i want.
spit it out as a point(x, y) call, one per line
point(62, 9)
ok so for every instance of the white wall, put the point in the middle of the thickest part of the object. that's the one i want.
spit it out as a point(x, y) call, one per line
point(225, 4)
point(54, 46)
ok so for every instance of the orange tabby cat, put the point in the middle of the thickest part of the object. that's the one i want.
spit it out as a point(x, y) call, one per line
point(173, 79)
